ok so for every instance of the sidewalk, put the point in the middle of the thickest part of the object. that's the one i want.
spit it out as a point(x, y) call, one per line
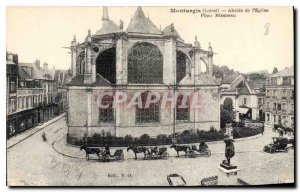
point(22, 136)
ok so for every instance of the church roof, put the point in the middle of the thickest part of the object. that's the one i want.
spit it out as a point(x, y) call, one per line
point(140, 24)
point(79, 81)
point(171, 31)
point(206, 79)
point(109, 27)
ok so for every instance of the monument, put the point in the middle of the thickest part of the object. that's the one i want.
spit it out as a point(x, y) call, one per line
point(228, 171)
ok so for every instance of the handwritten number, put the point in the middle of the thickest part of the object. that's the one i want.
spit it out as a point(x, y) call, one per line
point(267, 26)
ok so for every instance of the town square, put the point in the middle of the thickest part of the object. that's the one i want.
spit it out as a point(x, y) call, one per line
point(139, 100)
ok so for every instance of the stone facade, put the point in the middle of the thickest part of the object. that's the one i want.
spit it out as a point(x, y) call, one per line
point(106, 62)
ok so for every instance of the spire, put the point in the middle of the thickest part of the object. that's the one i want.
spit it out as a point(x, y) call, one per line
point(105, 16)
point(209, 47)
point(140, 24)
point(196, 43)
point(139, 13)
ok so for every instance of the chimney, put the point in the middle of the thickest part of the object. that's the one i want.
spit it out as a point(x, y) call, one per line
point(38, 64)
point(45, 66)
point(15, 59)
point(9, 57)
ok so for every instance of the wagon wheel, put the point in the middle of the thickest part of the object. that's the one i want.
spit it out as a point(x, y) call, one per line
point(165, 155)
point(192, 154)
point(286, 149)
point(272, 150)
point(208, 153)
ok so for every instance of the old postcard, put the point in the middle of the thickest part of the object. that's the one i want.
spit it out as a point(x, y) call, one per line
point(150, 96)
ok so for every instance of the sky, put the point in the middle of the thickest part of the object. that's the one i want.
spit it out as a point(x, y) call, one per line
point(241, 43)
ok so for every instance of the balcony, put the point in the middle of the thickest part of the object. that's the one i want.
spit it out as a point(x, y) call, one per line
point(284, 97)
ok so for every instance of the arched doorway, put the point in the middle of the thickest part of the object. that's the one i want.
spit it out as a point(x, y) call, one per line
point(106, 65)
point(228, 104)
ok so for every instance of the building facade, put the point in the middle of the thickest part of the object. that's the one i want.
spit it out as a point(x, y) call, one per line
point(141, 58)
point(246, 96)
point(31, 93)
point(280, 98)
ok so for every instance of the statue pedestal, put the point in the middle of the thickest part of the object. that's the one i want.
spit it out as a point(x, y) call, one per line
point(227, 174)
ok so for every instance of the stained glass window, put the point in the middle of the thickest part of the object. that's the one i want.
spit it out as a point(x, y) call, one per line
point(106, 115)
point(80, 63)
point(145, 64)
point(106, 65)
point(180, 66)
point(149, 114)
point(182, 109)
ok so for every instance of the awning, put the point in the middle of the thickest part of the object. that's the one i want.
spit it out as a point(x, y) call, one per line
point(243, 110)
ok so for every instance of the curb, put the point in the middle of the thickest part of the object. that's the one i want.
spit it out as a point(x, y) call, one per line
point(208, 142)
point(38, 129)
point(172, 156)
point(66, 155)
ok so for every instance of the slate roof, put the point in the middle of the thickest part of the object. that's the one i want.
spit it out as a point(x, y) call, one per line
point(79, 81)
point(169, 32)
point(206, 79)
point(36, 73)
point(228, 79)
point(289, 71)
point(109, 27)
point(23, 74)
point(140, 24)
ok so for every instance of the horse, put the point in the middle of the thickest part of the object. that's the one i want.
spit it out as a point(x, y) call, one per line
point(136, 150)
point(89, 151)
point(180, 148)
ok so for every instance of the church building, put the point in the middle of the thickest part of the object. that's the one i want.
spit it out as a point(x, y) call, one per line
point(141, 58)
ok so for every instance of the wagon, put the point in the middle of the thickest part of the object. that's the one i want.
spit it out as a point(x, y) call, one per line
point(176, 180)
point(193, 152)
point(157, 153)
point(117, 156)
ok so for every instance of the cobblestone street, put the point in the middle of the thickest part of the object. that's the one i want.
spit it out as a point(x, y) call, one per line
point(35, 162)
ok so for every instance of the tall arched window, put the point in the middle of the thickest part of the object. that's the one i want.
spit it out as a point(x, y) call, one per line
point(183, 66)
point(80, 63)
point(106, 65)
point(145, 64)
point(180, 66)
point(106, 115)
point(147, 114)
point(182, 109)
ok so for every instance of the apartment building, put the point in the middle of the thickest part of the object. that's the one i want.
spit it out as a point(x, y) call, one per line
point(280, 95)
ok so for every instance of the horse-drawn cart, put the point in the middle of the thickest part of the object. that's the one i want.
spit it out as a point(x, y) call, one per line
point(157, 153)
point(117, 156)
point(103, 154)
point(193, 152)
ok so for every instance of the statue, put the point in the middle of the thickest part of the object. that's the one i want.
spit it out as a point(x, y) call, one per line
point(229, 149)
point(229, 153)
